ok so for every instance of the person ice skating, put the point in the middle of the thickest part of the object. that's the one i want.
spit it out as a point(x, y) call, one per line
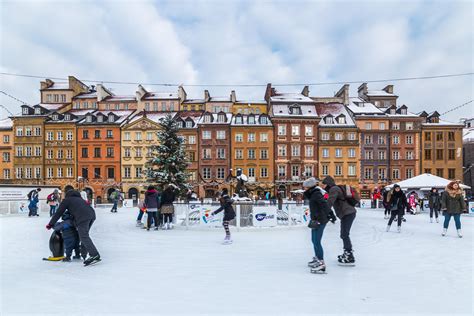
point(412, 202)
point(53, 202)
point(33, 198)
point(386, 198)
point(152, 204)
point(452, 205)
point(83, 218)
point(70, 237)
point(167, 209)
point(141, 212)
point(397, 204)
point(319, 213)
point(229, 213)
point(434, 200)
point(115, 197)
point(337, 198)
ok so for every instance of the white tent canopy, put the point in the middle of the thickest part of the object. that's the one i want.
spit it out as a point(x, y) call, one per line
point(425, 182)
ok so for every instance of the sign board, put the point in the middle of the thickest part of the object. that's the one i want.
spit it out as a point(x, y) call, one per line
point(206, 219)
point(128, 203)
point(23, 207)
point(471, 208)
point(264, 216)
point(365, 203)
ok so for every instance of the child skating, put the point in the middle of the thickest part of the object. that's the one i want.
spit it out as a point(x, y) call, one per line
point(229, 214)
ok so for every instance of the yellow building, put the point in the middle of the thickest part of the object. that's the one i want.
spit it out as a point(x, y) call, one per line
point(159, 101)
point(252, 150)
point(6, 150)
point(250, 107)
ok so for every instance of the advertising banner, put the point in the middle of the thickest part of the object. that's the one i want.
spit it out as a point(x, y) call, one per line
point(264, 217)
point(206, 219)
point(471, 208)
point(128, 203)
point(365, 203)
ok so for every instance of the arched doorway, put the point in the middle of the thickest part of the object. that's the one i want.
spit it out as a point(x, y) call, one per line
point(134, 195)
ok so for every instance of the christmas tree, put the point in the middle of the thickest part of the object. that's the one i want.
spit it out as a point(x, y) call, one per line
point(169, 162)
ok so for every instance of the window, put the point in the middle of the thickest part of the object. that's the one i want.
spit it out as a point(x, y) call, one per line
point(239, 137)
point(221, 173)
point(295, 171)
point(49, 136)
point(368, 173)
point(251, 137)
point(25, 111)
point(338, 152)
point(126, 172)
point(251, 173)
point(85, 153)
point(338, 170)
point(138, 152)
point(382, 155)
point(396, 155)
point(28, 173)
point(395, 140)
point(382, 173)
point(126, 152)
point(6, 157)
point(427, 170)
point(60, 135)
point(49, 173)
point(309, 151)
point(263, 153)
point(110, 152)
point(207, 118)
point(97, 134)
point(189, 124)
point(451, 173)
point(85, 173)
point(111, 118)
point(308, 130)
point(69, 135)
point(281, 130)
point(6, 174)
point(325, 170)
point(264, 172)
point(206, 173)
point(368, 139)
point(341, 119)
point(19, 151)
point(263, 137)
point(38, 111)
point(295, 130)
point(409, 126)
point(338, 136)
point(440, 172)
point(28, 131)
point(251, 154)
point(368, 126)
point(329, 120)
point(369, 155)
point(138, 172)
point(450, 136)
point(221, 118)
point(238, 154)
point(126, 136)
point(282, 171)
point(206, 153)
point(428, 136)
point(38, 151)
point(110, 173)
point(28, 151)
point(409, 173)
point(427, 154)
point(85, 134)
point(382, 126)
point(96, 152)
point(69, 154)
point(6, 139)
point(396, 125)
point(206, 134)
point(451, 154)
point(352, 136)
point(295, 150)
point(395, 173)
point(220, 153)
point(149, 151)
point(155, 106)
point(60, 154)
point(251, 119)
point(409, 140)
point(100, 118)
point(138, 136)
point(89, 118)
point(282, 150)
point(19, 131)
point(109, 133)
point(191, 139)
point(351, 152)
point(149, 135)
point(439, 154)
point(325, 136)
point(220, 134)
point(409, 155)
point(191, 156)
point(163, 106)
point(19, 173)
point(439, 136)
point(325, 152)
point(351, 170)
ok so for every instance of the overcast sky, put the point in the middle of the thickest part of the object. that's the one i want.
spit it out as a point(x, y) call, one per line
point(243, 42)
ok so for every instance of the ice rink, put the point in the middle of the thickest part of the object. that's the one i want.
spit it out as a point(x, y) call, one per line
point(189, 272)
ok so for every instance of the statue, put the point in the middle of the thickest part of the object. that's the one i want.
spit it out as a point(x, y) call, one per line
point(240, 188)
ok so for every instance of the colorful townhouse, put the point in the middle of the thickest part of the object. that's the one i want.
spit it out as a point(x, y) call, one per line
point(6, 150)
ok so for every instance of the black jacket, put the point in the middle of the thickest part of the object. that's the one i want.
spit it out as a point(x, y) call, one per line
point(434, 199)
point(152, 199)
point(400, 200)
point(318, 206)
point(167, 197)
point(77, 207)
point(226, 206)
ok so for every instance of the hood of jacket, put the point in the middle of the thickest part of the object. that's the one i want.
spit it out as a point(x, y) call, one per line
point(73, 193)
point(150, 192)
point(329, 181)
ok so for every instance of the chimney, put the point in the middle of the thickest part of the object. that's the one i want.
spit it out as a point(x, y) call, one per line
point(388, 89)
point(92, 88)
point(46, 84)
point(102, 92)
point(182, 94)
point(344, 94)
point(362, 91)
point(233, 97)
point(207, 96)
point(268, 92)
point(140, 92)
point(305, 91)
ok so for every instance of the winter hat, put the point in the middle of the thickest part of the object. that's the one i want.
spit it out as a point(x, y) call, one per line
point(310, 182)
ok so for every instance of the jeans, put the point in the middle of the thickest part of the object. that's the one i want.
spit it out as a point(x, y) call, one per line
point(52, 210)
point(457, 220)
point(152, 215)
point(33, 211)
point(140, 216)
point(392, 217)
point(86, 241)
point(435, 210)
point(316, 236)
point(114, 208)
point(346, 224)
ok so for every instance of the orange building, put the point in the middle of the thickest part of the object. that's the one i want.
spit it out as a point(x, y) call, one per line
point(187, 122)
point(6, 150)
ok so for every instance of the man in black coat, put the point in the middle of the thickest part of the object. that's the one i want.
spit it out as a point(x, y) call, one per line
point(84, 217)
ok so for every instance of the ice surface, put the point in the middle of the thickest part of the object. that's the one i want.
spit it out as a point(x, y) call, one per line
point(263, 272)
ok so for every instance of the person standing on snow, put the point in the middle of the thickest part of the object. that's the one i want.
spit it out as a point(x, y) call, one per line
point(434, 200)
point(453, 205)
point(83, 218)
point(397, 203)
point(152, 204)
point(346, 213)
point(53, 201)
point(229, 213)
point(33, 198)
point(167, 209)
point(115, 197)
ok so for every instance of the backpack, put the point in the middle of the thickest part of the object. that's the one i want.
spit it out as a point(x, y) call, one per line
point(351, 195)
point(50, 197)
point(30, 194)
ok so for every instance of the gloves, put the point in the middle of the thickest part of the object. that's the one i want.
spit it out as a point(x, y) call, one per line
point(48, 227)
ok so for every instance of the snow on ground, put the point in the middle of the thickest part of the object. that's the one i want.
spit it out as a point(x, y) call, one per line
point(264, 272)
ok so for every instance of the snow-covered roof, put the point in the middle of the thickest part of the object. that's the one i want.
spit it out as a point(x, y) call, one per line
point(359, 106)
point(155, 117)
point(283, 110)
point(194, 101)
point(51, 106)
point(251, 102)
point(335, 110)
point(290, 97)
point(122, 116)
point(468, 135)
point(245, 120)
point(160, 96)
point(119, 98)
point(220, 99)
point(425, 180)
point(89, 95)
point(215, 116)
point(379, 93)
point(443, 123)
point(59, 86)
point(6, 123)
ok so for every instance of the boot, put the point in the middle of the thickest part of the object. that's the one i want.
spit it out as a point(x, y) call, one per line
point(399, 229)
point(313, 262)
point(459, 233)
point(445, 230)
point(437, 220)
point(388, 228)
point(431, 219)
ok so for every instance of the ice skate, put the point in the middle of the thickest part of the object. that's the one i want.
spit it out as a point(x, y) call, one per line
point(399, 229)
point(459, 233)
point(92, 261)
point(66, 259)
point(319, 268)
point(227, 240)
point(139, 224)
point(437, 220)
point(347, 259)
point(313, 262)
point(431, 219)
point(388, 228)
point(444, 232)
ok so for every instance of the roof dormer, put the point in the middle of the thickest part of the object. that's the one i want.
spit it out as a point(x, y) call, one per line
point(239, 119)
point(295, 109)
point(402, 110)
point(208, 118)
point(221, 117)
point(189, 122)
point(251, 119)
point(89, 118)
point(111, 118)
point(263, 119)
point(329, 119)
point(26, 110)
point(341, 119)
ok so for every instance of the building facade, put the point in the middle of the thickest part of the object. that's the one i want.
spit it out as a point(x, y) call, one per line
point(188, 129)
point(6, 150)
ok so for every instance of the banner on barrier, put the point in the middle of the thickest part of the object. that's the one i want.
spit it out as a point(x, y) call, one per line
point(471, 208)
point(365, 203)
point(206, 219)
point(23, 207)
point(264, 217)
point(128, 203)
